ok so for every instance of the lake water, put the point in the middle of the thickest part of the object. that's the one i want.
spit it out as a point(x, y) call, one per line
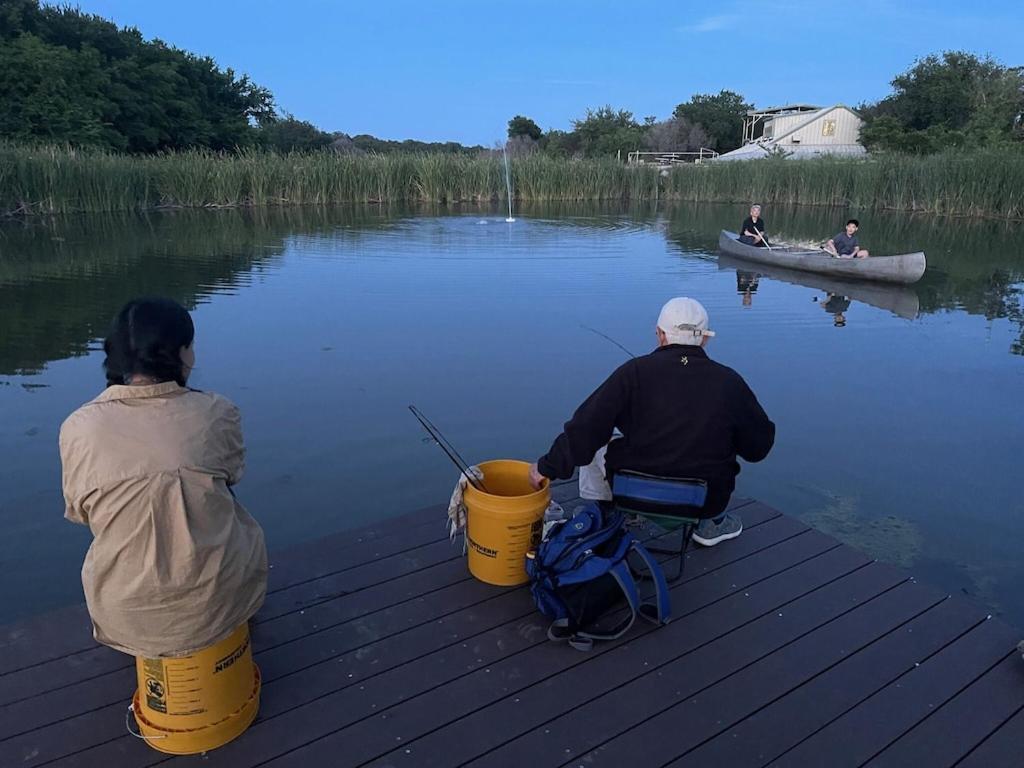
point(900, 431)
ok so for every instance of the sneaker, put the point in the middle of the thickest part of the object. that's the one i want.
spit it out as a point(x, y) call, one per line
point(709, 532)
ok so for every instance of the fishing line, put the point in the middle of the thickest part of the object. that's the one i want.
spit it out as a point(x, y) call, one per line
point(607, 338)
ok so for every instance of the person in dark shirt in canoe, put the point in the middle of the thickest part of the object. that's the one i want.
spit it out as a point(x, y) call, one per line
point(845, 245)
point(679, 413)
point(752, 231)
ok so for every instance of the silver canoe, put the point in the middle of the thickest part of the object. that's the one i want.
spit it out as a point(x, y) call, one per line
point(901, 300)
point(906, 268)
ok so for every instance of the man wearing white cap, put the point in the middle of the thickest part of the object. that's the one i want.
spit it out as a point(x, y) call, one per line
point(680, 415)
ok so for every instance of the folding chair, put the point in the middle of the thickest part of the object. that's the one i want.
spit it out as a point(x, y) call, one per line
point(670, 503)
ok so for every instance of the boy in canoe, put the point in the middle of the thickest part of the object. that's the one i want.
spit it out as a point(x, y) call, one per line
point(844, 245)
point(752, 231)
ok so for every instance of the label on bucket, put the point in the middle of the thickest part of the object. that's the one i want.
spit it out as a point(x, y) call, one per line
point(156, 687)
point(231, 658)
point(485, 551)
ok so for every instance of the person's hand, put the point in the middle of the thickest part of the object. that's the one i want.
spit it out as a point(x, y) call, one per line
point(536, 478)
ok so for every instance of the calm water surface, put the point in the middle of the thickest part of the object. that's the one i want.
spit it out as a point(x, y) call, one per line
point(900, 421)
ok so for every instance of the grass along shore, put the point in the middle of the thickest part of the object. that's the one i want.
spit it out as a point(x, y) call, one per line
point(58, 180)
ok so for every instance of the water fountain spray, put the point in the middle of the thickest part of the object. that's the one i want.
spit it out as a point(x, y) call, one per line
point(508, 182)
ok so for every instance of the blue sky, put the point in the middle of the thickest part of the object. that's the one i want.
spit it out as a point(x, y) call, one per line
point(448, 69)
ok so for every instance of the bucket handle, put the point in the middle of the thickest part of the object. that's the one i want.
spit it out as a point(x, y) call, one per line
point(128, 717)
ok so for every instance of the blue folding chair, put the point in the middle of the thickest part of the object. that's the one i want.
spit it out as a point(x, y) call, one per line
point(671, 503)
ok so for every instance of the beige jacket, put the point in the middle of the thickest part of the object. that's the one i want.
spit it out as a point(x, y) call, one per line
point(176, 563)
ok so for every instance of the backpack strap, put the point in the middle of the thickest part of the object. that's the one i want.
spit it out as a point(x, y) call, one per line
point(659, 611)
point(582, 640)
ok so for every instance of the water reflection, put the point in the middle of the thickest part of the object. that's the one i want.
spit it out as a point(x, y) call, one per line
point(62, 279)
point(324, 324)
point(900, 300)
point(836, 305)
point(746, 285)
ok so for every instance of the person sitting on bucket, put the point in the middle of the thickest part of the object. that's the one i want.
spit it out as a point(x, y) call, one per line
point(680, 415)
point(176, 563)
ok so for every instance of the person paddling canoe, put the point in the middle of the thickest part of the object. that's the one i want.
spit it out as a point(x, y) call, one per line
point(753, 229)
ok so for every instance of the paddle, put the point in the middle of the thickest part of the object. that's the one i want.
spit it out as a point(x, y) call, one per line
point(763, 238)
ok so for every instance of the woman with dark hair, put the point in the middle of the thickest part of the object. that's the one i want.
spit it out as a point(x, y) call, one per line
point(176, 563)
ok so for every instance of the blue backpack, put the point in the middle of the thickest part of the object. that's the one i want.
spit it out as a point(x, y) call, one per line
point(580, 573)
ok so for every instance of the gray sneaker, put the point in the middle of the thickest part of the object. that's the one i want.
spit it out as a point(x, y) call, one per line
point(709, 533)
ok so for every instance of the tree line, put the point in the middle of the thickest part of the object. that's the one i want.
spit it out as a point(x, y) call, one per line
point(945, 101)
point(712, 121)
point(74, 78)
point(67, 77)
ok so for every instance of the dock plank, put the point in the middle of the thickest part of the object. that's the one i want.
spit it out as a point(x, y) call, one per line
point(341, 669)
point(497, 713)
point(761, 737)
point(1001, 749)
point(378, 647)
point(533, 657)
point(963, 723)
point(715, 700)
point(699, 689)
point(872, 725)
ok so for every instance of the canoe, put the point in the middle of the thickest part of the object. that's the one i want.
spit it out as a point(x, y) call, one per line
point(905, 268)
point(901, 300)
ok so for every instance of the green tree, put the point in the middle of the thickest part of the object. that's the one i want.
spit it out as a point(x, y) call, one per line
point(71, 77)
point(560, 143)
point(606, 131)
point(54, 93)
point(948, 100)
point(720, 115)
point(289, 134)
point(524, 126)
point(364, 142)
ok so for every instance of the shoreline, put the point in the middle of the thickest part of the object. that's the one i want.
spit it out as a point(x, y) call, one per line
point(48, 181)
point(15, 215)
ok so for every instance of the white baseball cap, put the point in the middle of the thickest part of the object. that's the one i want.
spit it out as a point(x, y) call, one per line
point(684, 321)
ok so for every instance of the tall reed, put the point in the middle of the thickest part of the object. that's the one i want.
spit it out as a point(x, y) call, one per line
point(61, 180)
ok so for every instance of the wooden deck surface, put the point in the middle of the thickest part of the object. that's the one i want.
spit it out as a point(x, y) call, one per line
point(786, 648)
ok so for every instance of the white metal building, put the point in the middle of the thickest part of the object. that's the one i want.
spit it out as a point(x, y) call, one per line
point(801, 131)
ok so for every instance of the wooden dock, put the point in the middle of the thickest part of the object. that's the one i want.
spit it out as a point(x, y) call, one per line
point(377, 648)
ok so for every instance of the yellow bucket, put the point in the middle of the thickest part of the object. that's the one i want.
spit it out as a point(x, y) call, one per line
point(503, 524)
point(196, 703)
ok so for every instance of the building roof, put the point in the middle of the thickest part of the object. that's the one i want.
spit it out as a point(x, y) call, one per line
point(784, 108)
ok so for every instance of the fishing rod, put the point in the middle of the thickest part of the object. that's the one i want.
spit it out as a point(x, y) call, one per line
point(607, 338)
point(449, 449)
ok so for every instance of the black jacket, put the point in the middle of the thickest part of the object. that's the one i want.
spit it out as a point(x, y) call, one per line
point(681, 414)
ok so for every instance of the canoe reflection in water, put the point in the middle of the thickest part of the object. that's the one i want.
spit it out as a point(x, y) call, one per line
point(901, 300)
